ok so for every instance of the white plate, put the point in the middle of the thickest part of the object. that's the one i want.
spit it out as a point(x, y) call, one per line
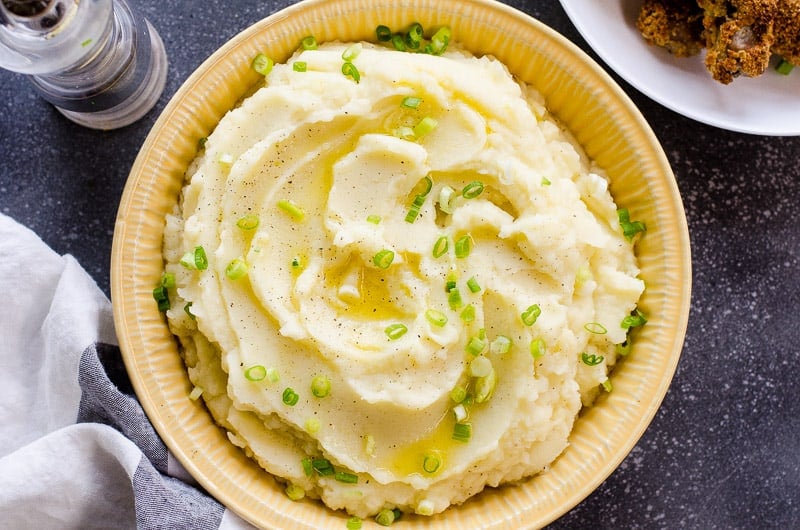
point(769, 104)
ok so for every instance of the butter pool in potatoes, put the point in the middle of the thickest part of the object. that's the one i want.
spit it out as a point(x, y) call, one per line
point(415, 279)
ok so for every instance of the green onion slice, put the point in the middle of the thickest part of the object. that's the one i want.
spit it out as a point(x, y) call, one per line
point(290, 397)
point(299, 66)
point(473, 285)
point(440, 40)
point(383, 258)
point(607, 386)
point(399, 42)
point(292, 209)
point(454, 299)
point(500, 345)
point(468, 313)
point(383, 33)
point(248, 222)
point(784, 67)
point(595, 327)
point(236, 269)
point(312, 425)
point(425, 126)
point(255, 373)
point(322, 466)
point(480, 366)
point(530, 315)
point(411, 102)
point(350, 70)
point(187, 308)
point(629, 228)
point(395, 331)
point(463, 246)
point(374, 219)
point(472, 190)
point(262, 64)
point(440, 247)
point(635, 320)
point(446, 195)
point(475, 346)
point(295, 492)
point(385, 517)
point(458, 394)
point(538, 348)
point(273, 375)
point(345, 477)
point(436, 317)
point(431, 463)
point(624, 348)
point(320, 386)
point(351, 52)
point(308, 469)
point(309, 43)
point(168, 280)
point(462, 432)
point(591, 359)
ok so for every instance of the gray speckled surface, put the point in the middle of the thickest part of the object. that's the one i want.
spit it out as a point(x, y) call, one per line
point(724, 449)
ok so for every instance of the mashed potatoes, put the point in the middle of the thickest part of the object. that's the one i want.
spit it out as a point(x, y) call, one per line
point(414, 278)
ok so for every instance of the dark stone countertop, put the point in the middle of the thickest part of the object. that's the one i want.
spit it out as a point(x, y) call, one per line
point(724, 449)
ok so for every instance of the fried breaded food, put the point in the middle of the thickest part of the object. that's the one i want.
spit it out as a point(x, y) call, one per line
point(740, 36)
point(676, 26)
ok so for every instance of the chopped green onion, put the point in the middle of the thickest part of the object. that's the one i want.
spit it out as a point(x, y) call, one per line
point(484, 386)
point(624, 348)
point(530, 315)
point(195, 393)
point(292, 209)
point(412, 214)
point(480, 366)
point(399, 43)
point(161, 297)
point(454, 299)
point(500, 345)
point(591, 359)
point(273, 375)
point(395, 331)
point(436, 317)
point(308, 469)
point(425, 507)
point(629, 228)
point(425, 125)
point(248, 222)
point(446, 195)
point(255, 373)
point(538, 348)
point(354, 523)
point(463, 246)
point(468, 313)
point(201, 143)
point(546, 181)
point(414, 36)
point(440, 40)
point(312, 425)
point(322, 466)
point(300, 66)
point(86, 42)
point(428, 182)
point(374, 219)
point(406, 133)
point(187, 308)
point(784, 67)
point(607, 386)
point(225, 159)
point(290, 397)
point(351, 52)
point(195, 259)
point(383, 33)
point(458, 394)
point(236, 269)
point(411, 102)
point(383, 258)
point(460, 413)
point(440, 247)
point(350, 70)
point(450, 284)
point(385, 517)
point(345, 477)
point(595, 327)
point(320, 386)
point(309, 43)
point(475, 346)
point(168, 280)
point(473, 285)
point(462, 432)
point(472, 190)
point(295, 492)
point(431, 463)
point(297, 263)
point(635, 320)
point(262, 64)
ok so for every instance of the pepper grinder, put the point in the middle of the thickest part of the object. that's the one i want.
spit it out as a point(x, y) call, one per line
point(98, 62)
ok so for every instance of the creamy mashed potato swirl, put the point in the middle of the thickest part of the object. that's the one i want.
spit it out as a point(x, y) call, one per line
point(330, 168)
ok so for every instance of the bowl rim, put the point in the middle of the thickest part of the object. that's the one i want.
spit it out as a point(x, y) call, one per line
point(121, 265)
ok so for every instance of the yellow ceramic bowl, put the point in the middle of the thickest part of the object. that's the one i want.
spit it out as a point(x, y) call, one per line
point(577, 91)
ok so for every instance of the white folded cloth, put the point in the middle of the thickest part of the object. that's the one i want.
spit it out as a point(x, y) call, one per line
point(76, 449)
